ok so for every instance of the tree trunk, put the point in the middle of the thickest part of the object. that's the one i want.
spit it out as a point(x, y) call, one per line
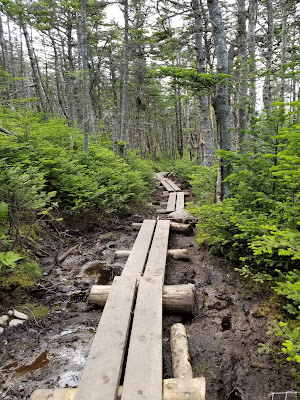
point(86, 96)
point(283, 49)
point(221, 100)
point(253, 5)
point(242, 89)
point(206, 131)
point(124, 116)
point(267, 92)
point(34, 68)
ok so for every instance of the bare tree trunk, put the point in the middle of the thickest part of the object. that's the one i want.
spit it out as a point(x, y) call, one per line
point(34, 68)
point(267, 93)
point(242, 89)
point(87, 115)
point(253, 5)
point(124, 116)
point(3, 46)
point(221, 100)
point(207, 136)
point(283, 48)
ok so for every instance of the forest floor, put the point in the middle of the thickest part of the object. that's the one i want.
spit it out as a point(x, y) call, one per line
point(230, 320)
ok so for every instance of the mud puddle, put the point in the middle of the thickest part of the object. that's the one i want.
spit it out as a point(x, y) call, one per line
point(228, 324)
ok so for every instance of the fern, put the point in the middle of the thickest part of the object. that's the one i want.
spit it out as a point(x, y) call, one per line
point(9, 259)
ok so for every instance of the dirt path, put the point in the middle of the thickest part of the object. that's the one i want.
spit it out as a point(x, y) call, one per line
point(229, 322)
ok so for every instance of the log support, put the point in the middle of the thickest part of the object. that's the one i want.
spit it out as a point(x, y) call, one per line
point(174, 227)
point(177, 254)
point(176, 298)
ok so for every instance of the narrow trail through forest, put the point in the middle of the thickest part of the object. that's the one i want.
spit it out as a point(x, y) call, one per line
point(230, 319)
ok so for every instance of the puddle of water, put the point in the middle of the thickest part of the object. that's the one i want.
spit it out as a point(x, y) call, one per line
point(95, 268)
point(39, 362)
point(226, 323)
point(9, 366)
point(104, 273)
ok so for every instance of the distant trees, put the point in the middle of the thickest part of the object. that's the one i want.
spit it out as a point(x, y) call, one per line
point(67, 58)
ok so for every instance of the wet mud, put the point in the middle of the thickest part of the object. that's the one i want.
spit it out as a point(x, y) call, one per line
point(223, 334)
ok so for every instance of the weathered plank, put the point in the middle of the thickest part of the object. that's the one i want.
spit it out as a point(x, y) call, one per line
point(180, 201)
point(179, 389)
point(171, 202)
point(173, 185)
point(101, 376)
point(158, 253)
point(167, 185)
point(137, 258)
point(143, 373)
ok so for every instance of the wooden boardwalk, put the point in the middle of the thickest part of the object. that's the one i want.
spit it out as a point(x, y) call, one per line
point(131, 323)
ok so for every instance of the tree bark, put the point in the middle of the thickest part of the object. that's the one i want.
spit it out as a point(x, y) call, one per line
point(267, 91)
point(205, 122)
point(124, 113)
point(87, 125)
point(221, 100)
point(242, 82)
point(253, 6)
point(34, 68)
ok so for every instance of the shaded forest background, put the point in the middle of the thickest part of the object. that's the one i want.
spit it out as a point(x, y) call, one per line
point(209, 90)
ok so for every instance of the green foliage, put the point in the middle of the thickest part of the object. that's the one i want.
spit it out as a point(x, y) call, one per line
point(190, 79)
point(40, 176)
point(258, 225)
point(291, 340)
point(289, 287)
point(39, 167)
point(201, 179)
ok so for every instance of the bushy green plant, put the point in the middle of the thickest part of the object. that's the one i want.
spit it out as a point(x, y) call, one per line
point(291, 340)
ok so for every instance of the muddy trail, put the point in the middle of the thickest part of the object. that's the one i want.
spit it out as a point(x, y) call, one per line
point(230, 320)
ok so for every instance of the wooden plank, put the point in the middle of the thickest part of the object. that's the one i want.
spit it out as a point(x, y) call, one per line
point(158, 253)
point(167, 185)
point(101, 376)
point(171, 202)
point(180, 201)
point(143, 374)
point(137, 258)
point(173, 185)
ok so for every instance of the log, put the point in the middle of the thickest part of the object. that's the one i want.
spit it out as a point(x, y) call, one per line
point(176, 298)
point(181, 228)
point(181, 366)
point(182, 389)
point(173, 389)
point(177, 254)
point(122, 253)
point(175, 227)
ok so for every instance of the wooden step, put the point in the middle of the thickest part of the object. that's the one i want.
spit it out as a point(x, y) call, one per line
point(143, 374)
point(138, 255)
point(101, 376)
point(171, 202)
point(156, 263)
point(180, 201)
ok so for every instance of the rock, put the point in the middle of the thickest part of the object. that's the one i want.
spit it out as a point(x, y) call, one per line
point(20, 315)
point(1, 330)
point(181, 216)
point(3, 319)
point(15, 322)
point(10, 312)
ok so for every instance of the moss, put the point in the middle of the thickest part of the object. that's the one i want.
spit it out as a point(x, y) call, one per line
point(38, 310)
